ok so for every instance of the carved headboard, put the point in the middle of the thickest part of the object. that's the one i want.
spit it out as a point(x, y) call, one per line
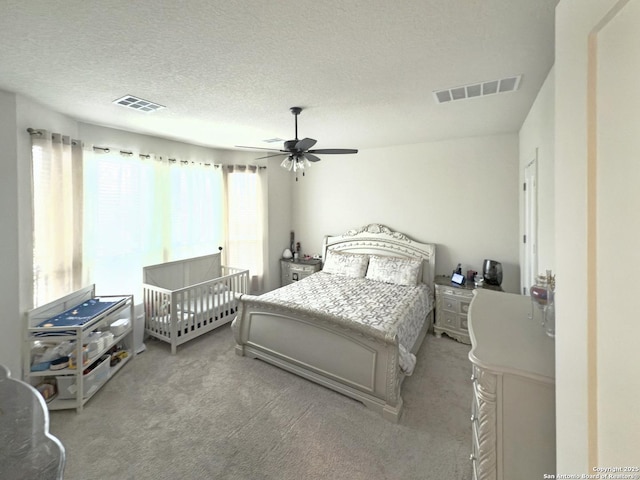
point(377, 239)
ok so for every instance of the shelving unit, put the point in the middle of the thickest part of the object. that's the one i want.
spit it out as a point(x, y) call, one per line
point(73, 379)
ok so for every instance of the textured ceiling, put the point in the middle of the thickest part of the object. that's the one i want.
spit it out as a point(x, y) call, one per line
point(228, 71)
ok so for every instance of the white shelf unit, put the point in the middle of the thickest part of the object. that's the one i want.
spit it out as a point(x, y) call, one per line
point(122, 308)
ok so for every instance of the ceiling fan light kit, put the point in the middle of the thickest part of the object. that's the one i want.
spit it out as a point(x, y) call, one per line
point(297, 155)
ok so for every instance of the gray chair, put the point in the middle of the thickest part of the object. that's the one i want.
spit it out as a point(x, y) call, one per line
point(27, 450)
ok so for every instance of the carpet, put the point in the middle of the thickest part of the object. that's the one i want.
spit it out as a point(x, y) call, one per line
point(207, 413)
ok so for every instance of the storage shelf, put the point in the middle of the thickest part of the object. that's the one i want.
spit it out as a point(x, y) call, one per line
point(93, 359)
point(80, 334)
point(68, 403)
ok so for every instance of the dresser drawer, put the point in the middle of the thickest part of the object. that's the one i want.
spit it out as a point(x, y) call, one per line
point(299, 268)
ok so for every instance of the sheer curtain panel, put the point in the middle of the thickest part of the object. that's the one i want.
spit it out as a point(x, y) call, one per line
point(142, 210)
point(57, 215)
point(246, 221)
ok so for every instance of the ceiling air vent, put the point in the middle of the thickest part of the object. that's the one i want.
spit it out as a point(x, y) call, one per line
point(135, 103)
point(503, 85)
point(273, 140)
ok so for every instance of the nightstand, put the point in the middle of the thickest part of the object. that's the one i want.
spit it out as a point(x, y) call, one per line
point(452, 307)
point(294, 270)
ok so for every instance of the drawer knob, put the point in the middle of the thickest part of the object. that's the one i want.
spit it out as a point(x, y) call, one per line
point(473, 378)
point(472, 457)
point(473, 418)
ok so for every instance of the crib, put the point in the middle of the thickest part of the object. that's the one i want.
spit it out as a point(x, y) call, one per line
point(187, 298)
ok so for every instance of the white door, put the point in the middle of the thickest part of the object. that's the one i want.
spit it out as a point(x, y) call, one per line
point(530, 236)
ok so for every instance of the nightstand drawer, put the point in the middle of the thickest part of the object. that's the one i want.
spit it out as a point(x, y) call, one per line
point(449, 320)
point(464, 306)
point(464, 323)
point(308, 269)
point(450, 304)
point(293, 271)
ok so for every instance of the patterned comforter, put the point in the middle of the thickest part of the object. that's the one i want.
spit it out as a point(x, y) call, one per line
point(388, 310)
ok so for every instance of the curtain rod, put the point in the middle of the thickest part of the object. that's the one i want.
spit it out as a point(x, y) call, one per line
point(146, 156)
point(64, 138)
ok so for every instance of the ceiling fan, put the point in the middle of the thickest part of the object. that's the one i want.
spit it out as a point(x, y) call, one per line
point(296, 152)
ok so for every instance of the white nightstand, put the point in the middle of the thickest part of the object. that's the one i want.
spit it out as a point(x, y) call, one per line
point(292, 271)
point(452, 307)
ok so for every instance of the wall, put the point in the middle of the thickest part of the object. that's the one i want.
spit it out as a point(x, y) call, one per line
point(596, 379)
point(9, 240)
point(618, 236)
point(537, 135)
point(460, 194)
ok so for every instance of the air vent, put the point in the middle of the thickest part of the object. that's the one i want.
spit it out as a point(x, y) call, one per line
point(492, 87)
point(273, 140)
point(135, 103)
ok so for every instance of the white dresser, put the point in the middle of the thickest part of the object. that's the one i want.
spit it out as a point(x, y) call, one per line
point(513, 377)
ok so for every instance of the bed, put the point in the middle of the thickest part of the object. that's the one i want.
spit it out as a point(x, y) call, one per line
point(314, 329)
point(188, 298)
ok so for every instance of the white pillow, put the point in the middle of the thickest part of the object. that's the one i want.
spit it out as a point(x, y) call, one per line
point(401, 271)
point(346, 264)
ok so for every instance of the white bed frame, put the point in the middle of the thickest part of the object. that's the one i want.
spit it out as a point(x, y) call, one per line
point(311, 345)
point(188, 298)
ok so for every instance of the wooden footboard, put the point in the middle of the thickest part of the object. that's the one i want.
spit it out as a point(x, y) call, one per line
point(363, 367)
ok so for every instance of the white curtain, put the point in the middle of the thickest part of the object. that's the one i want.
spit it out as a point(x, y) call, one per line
point(57, 215)
point(195, 210)
point(246, 221)
point(140, 212)
point(101, 215)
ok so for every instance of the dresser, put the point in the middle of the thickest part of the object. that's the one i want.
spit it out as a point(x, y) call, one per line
point(452, 308)
point(513, 381)
point(294, 270)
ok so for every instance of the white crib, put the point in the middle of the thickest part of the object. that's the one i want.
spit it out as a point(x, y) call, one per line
point(187, 298)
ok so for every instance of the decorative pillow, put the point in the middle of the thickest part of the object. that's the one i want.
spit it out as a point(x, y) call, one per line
point(401, 271)
point(347, 264)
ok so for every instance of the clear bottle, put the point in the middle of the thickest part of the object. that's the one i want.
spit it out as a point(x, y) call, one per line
point(539, 294)
point(550, 315)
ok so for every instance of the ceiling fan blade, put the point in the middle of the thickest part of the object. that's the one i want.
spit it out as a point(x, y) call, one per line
point(311, 157)
point(334, 150)
point(274, 155)
point(261, 148)
point(305, 144)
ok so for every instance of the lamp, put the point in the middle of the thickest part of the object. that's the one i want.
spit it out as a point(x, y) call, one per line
point(296, 163)
point(287, 163)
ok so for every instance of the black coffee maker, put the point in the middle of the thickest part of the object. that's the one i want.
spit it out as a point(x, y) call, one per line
point(492, 272)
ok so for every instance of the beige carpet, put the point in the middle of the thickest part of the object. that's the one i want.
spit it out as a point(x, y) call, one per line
point(207, 413)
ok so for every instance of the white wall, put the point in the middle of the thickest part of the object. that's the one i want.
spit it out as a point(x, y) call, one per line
point(618, 237)
point(537, 134)
point(9, 240)
point(460, 194)
point(597, 330)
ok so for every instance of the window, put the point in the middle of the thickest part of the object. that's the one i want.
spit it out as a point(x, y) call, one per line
point(141, 212)
point(101, 217)
point(245, 236)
